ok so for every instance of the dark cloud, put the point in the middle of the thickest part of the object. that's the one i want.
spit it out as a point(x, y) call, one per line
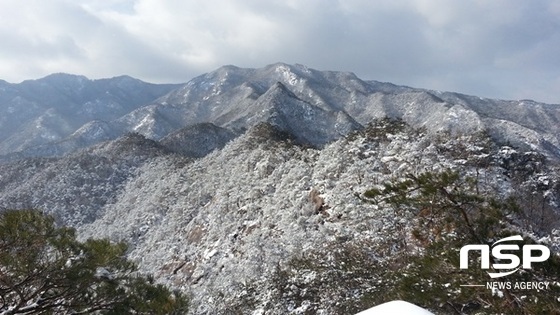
point(502, 49)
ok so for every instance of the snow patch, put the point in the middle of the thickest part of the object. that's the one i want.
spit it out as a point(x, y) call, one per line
point(396, 307)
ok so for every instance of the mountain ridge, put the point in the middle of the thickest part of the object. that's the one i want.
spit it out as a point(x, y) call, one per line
point(45, 111)
point(238, 98)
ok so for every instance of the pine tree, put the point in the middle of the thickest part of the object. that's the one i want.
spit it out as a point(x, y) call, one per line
point(44, 269)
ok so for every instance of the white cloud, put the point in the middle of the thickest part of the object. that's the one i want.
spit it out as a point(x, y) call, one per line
point(491, 48)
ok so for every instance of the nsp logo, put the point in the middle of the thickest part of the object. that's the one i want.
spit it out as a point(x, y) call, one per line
point(500, 254)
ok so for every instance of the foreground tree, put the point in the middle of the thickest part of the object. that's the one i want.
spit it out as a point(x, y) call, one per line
point(44, 269)
point(450, 211)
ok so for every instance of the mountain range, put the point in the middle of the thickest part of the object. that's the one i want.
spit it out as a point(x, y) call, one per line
point(62, 113)
point(222, 184)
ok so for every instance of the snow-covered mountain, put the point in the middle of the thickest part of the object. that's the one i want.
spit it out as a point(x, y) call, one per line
point(320, 106)
point(62, 112)
point(244, 187)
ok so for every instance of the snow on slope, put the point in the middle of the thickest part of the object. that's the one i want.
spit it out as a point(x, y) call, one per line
point(396, 308)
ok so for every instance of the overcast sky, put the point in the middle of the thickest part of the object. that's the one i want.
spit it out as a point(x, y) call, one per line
point(493, 48)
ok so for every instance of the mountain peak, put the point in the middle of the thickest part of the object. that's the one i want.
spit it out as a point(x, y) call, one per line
point(281, 88)
point(61, 78)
